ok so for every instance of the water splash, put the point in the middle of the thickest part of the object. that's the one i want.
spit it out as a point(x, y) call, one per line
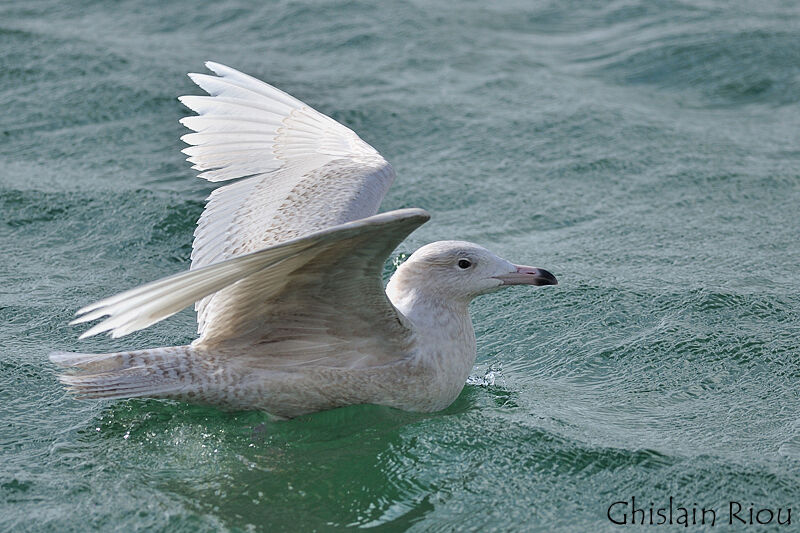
point(489, 377)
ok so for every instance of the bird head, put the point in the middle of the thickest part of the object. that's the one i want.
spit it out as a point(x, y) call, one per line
point(460, 271)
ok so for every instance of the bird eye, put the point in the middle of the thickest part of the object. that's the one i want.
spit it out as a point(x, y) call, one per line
point(463, 263)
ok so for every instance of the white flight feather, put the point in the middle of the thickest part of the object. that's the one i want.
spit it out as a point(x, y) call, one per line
point(299, 171)
point(369, 239)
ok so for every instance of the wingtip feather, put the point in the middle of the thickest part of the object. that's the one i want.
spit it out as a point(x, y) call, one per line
point(216, 68)
point(91, 332)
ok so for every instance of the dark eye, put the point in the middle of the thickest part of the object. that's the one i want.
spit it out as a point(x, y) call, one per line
point(463, 263)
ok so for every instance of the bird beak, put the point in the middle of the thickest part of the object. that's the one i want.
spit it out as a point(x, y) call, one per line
point(526, 275)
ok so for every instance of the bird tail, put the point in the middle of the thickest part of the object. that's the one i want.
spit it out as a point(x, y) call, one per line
point(156, 373)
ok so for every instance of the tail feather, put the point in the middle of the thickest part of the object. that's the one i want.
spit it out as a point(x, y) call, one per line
point(156, 373)
point(95, 362)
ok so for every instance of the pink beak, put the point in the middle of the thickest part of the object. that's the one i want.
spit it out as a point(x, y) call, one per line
point(526, 275)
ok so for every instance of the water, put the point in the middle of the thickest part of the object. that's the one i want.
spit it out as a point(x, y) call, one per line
point(645, 152)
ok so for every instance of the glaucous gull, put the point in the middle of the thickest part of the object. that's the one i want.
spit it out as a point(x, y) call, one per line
point(286, 276)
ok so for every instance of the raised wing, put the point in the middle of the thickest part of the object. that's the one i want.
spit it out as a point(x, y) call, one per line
point(299, 171)
point(311, 298)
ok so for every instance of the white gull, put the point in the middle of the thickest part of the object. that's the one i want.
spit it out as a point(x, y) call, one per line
point(286, 276)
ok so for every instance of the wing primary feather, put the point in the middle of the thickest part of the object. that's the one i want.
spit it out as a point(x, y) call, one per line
point(143, 306)
point(255, 85)
point(306, 171)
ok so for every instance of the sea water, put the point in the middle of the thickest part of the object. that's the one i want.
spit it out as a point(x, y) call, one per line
point(644, 152)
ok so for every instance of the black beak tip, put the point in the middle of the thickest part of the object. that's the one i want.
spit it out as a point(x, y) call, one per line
point(543, 277)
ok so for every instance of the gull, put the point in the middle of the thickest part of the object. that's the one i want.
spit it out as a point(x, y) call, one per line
point(285, 276)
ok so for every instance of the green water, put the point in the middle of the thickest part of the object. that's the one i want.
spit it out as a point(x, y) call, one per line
point(644, 152)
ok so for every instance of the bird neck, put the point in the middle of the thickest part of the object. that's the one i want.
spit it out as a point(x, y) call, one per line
point(445, 338)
